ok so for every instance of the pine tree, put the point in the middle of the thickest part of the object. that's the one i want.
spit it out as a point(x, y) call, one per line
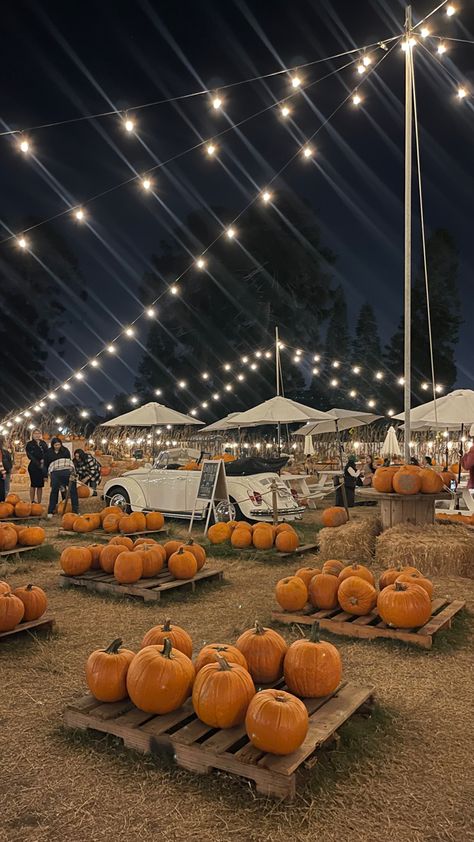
point(366, 355)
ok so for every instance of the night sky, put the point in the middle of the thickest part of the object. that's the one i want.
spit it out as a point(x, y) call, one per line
point(63, 60)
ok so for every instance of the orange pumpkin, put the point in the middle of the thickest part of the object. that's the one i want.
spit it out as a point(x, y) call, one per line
point(323, 591)
point(388, 577)
point(75, 560)
point(382, 480)
point(179, 637)
point(208, 655)
point(334, 516)
point(145, 540)
point(284, 527)
point(182, 564)
point(222, 693)
point(11, 611)
point(34, 600)
point(95, 550)
point(171, 547)
point(106, 672)
point(447, 477)
point(264, 650)
point(198, 552)
point(416, 579)
point(110, 510)
point(152, 560)
point(4, 587)
point(138, 521)
point(287, 542)
point(154, 520)
point(312, 668)
point(37, 510)
point(128, 567)
point(8, 537)
point(31, 536)
point(406, 481)
point(431, 482)
point(404, 606)
point(13, 499)
point(110, 523)
point(356, 595)
point(291, 593)
point(262, 538)
point(276, 722)
point(23, 509)
point(122, 540)
point(219, 532)
point(83, 491)
point(241, 538)
point(6, 510)
point(333, 566)
point(357, 570)
point(160, 678)
point(307, 573)
point(109, 554)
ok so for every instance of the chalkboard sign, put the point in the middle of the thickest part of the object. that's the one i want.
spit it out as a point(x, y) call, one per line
point(212, 487)
point(208, 479)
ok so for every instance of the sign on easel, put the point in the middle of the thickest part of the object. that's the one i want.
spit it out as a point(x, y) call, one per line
point(212, 487)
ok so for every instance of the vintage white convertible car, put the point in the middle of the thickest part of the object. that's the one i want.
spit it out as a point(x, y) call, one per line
point(163, 487)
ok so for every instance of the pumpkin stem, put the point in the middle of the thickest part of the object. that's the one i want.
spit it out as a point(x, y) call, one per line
point(167, 647)
point(114, 646)
point(400, 586)
point(223, 664)
point(314, 636)
point(167, 625)
point(279, 698)
point(29, 587)
point(190, 542)
point(259, 628)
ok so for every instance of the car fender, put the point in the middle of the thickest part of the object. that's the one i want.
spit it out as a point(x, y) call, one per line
point(132, 487)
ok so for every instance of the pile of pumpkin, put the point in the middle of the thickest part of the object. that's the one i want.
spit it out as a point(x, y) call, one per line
point(21, 605)
point(410, 479)
point(403, 599)
point(112, 519)
point(261, 535)
point(222, 680)
point(15, 507)
point(13, 535)
point(130, 560)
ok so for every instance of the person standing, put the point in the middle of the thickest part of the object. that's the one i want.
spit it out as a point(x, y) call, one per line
point(36, 450)
point(7, 462)
point(467, 462)
point(61, 472)
point(351, 480)
point(87, 469)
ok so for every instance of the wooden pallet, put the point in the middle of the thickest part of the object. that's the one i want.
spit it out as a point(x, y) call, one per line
point(16, 519)
point(371, 625)
point(107, 535)
point(180, 735)
point(17, 550)
point(45, 623)
point(149, 590)
point(306, 548)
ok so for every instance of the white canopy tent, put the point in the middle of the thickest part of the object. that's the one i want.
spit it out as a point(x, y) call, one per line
point(391, 446)
point(151, 415)
point(277, 410)
point(341, 419)
point(453, 410)
point(222, 425)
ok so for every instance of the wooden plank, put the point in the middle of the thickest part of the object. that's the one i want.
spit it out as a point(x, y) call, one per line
point(95, 581)
point(44, 623)
point(366, 619)
point(306, 548)
point(107, 535)
point(17, 550)
point(443, 618)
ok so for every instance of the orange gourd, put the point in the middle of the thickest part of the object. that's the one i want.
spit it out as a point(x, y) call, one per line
point(312, 668)
point(276, 722)
point(307, 573)
point(222, 693)
point(264, 650)
point(262, 538)
point(37, 510)
point(241, 538)
point(406, 481)
point(83, 491)
point(109, 554)
point(82, 524)
point(31, 536)
point(416, 579)
point(128, 567)
point(198, 552)
point(431, 482)
point(219, 532)
point(75, 560)
point(322, 591)
point(179, 637)
point(333, 566)
point(67, 521)
point(11, 611)
point(171, 547)
point(4, 587)
point(34, 600)
point(182, 564)
point(382, 480)
point(291, 593)
point(13, 499)
point(208, 655)
point(357, 570)
point(152, 560)
point(122, 540)
point(6, 510)
point(110, 510)
point(23, 509)
point(8, 537)
point(404, 606)
point(110, 523)
point(160, 679)
point(334, 516)
point(95, 550)
point(356, 596)
point(154, 520)
point(287, 542)
point(284, 527)
point(106, 672)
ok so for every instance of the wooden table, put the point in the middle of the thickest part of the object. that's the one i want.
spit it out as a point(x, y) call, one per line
point(403, 508)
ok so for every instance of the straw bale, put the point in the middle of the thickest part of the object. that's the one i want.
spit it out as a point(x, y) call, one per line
point(434, 550)
point(354, 541)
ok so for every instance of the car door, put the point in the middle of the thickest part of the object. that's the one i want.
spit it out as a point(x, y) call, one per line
point(167, 490)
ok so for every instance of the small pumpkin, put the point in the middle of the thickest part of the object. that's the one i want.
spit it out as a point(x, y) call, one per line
point(34, 599)
point(110, 523)
point(287, 542)
point(75, 560)
point(222, 693)
point(404, 605)
point(416, 579)
point(110, 510)
point(182, 564)
point(11, 611)
point(31, 536)
point(284, 527)
point(276, 722)
point(172, 547)
point(322, 591)
point(23, 509)
point(219, 532)
point(144, 540)
point(4, 587)
point(262, 537)
point(37, 510)
point(6, 510)
point(291, 593)
point(83, 491)
point(160, 678)
point(333, 566)
point(264, 650)
point(123, 540)
point(128, 567)
point(382, 480)
point(241, 538)
point(109, 554)
point(307, 573)
point(312, 668)
point(13, 499)
point(154, 520)
point(357, 570)
point(388, 577)
point(67, 521)
point(334, 516)
point(431, 482)
point(179, 637)
point(106, 672)
point(356, 596)
point(198, 552)
point(208, 654)
point(407, 482)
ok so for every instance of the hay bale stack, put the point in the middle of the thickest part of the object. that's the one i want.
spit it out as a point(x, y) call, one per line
point(434, 550)
point(355, 541)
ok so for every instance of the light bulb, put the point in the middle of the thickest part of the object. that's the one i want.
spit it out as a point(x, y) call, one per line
point(129, 125)
point(146, 184)
point(353, 393)
point(18, 419)
point(133, 399)
point(79, 214)
point(66, 387)
point(401, 381)
point(241, 377)
point(200, 263)
point(79, 375)
point(296, 359)
point(254, 366)
point(157, 392)
point(230, 233)
point(295, 82)
point(439, 388)
point(425, 387)
point(109, 407)
point(424, 32)
point(379, 375)
point(215, 396)
point(258, 354)
point(450, 10)
point(315, 370)
point(307, 152)
point(285, 111)
point(182, 384)
point(204, 404)
point(36, 408)
point(27, 414)
point(298, 352)
point(462, 92)
point(281, 346)
point(150, 312)
point(366, 61)
point(174, 289)
point(360, 69)
point(316, 358)
point(334, 382)
point(356, 99)
point(228, 387)
point(24, 146)
point(266, 196)
point(371, 403)
point(22, 242)
point(205, 375)
point(42, 404)
point(52, 396)
point(216, 103)
point(111, 349)
point(84, 414)
point(336, 364)
point(129, 331)
point(390, 412)
point(58, 420)
point(227, 367)
point(441, 49)
point(268, 355)
point(211, 149)
point(193, 412)
point(244, 360)
point(94, 363)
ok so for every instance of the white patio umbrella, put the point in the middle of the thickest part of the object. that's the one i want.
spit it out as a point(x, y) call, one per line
point(341, 419)
point(151, 415)
point(390, 446)
point(308, 449)
point(277, 410)
point(224, 424)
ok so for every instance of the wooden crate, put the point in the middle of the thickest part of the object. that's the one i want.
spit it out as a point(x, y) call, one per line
point(196, 747)
point(417, 509)
point(105, 536)
point(149, 590)
point(371, 625)
point(45, 623)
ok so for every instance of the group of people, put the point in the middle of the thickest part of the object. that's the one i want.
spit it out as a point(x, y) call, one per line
point(53, 463)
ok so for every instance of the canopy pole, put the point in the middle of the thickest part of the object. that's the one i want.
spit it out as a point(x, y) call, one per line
point(461, 453)
point(341, 457)
point(408, 223)
point(277, 374)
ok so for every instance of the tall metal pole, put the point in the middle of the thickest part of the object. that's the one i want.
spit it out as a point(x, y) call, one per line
point(277, 373)
point(408, 183)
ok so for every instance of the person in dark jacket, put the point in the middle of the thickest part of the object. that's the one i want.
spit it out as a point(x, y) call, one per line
point(61, 472)
point(7, 462)
point(351, 480)
point(36, 450)
point(87, 469)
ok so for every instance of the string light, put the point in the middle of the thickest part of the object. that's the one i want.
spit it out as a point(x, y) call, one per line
point(111, 349)
point(360, 69)
point(356, 369)
point(109, 407)
point(157, 392)
point(336, 364)
point(94, 363)
point(129, 331)
point(79, 214)
point(316, 358)
point(424, 386)
point(227, 367)
point(150, 312)
point(401, 381)
point(410, 42)
point(200, 263)
point(79, 375)
point(462, 92)
point(228, 387)
point(353, 393)
point(22, 243)
point(315, 370)
point(391, 412)
point(366, 61)
point(216, 103)
point(334, 382)
point(146, 183)
point(211, 149)
point(439, 389)
point(254, 366)
point(52, 396)
point(356, 99)
point(230, 233)
point(244, 360)
point(295, 82)
point(258, 354)
point(174, 289)
point(285, 111)
point(307, 152)
point(450, 10)
point(424, 32)
point(84, 414)
point(441, 49)
point(182, 384)
point(134, 399)
point(296, 359)
point(371, 404)
point(267, 355)
point(24, 146)
point(215, 396)
point(266, 196)
point(193, 412)
point(66, 387)
point(129, 125)
point(379, 375)
point(241, 377)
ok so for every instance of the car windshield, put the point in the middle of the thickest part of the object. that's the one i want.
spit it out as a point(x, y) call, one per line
point(169, 459)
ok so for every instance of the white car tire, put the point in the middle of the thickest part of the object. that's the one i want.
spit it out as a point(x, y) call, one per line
point(118, 496)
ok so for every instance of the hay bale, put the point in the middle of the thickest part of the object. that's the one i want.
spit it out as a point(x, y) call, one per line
point(354, 541)
point(434, 550)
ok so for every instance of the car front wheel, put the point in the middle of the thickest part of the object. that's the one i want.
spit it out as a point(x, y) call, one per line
point(228, 511)
point(117, 496)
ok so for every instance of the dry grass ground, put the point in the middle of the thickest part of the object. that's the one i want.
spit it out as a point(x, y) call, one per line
point(403, 776)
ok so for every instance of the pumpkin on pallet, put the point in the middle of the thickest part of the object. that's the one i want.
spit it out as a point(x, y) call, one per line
point(222, 693)
point(128, 567)
point(218, 533)
point(357, 570)
point(109, 554)
point(31, 536)
point(106, 672)
point(307, 573)
point(312, 668)
point(264, 650)
point(160, 678)
point(208, 654)
point(75, 560)
point(182, 564)
point(322, 591)
point(198, 552)
point(6, 510)
point(404, 606)
point(154, 520)
point(276, 722)
point(333, 566)
point(34, 600)
point(291, 593)
point(356, 596)
point(178, 636)
point(8, 537)
point(287, 541)
point(12, 611)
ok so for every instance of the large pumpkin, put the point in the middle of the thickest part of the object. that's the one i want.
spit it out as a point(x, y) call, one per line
point(334, 516)
point(182, 564)
point(431, 482)
point(333, 566)
point(6, 510)
point(67, 521)
point(154, 520)
point(357, 570)
point(264, 650)
point(287, 542)
point(110, 523)
point(219, 532)
point(34, 600)
point(128, 567)
point(312, 668)
point(241, 538)
point(123, 540)
point(417, 579)
point(322, 591)
point(406, 481)
point(8, 538)
point(198, 552)
point(291, 593)
point(262, 537)
point(356, 596)
point(37, 510)
point(11, 611)
point(208, 655)
point(179, 637)
point(110, 510)
point(160, 678)
point(307, 573)
point(404, 606)
point(23, 509)
point(83, 491)
point(276, 722)
point(222, 693)
point(75, 560)
point(106, 672)
point(109, 554)
point(172, 547)
point(83, 524)
point(382, 480)
point(152, 559)
point(31, 536)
